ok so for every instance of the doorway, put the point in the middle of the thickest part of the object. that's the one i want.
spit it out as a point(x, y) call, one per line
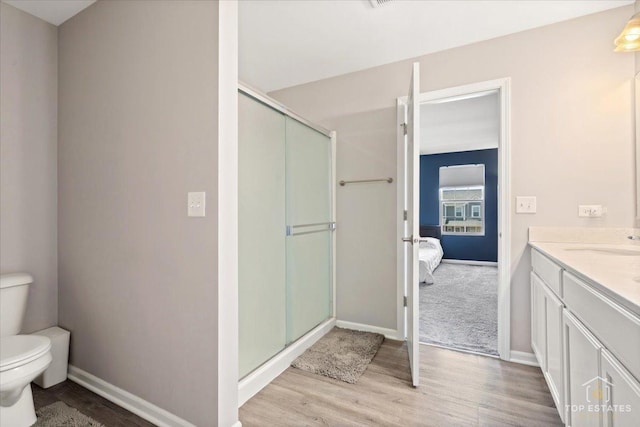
point(458, 290)
point(465, 214)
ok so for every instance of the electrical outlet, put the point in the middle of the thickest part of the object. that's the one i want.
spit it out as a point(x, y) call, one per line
point(526, 204)
point(196, 203)
point(590, 211)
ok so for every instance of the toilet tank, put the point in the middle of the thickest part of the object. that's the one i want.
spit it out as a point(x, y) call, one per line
point(14, 289)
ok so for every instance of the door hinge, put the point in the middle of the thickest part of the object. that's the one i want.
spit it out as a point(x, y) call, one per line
point(405, 301)
point(404, 128)
point(405, 215)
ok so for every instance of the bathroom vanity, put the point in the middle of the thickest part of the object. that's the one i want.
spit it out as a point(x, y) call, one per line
point(585, 327)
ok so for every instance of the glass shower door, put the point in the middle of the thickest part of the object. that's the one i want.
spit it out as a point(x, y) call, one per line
point(309, 228)
point(261, 234)
point(285, 231)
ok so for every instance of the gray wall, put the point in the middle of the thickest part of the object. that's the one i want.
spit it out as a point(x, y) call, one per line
point(571, 142)
point(138, 94)
point(28, 163)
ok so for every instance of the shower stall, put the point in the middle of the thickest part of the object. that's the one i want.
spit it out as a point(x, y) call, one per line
point(286, 234)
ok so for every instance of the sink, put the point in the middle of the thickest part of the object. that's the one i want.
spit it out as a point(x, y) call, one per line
point(607, 251)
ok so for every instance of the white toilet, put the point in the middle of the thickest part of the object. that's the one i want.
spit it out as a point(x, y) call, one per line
point(22, 357)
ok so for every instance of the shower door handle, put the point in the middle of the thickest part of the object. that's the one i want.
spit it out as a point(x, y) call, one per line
point(324, 226)
point(410, 240)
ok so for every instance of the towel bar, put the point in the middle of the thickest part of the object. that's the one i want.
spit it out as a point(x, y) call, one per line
point(389, 180)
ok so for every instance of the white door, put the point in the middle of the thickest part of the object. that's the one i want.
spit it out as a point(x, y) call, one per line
point(553, 365)
point(412, 226)
point(581, 362)
point(621, 391)
point(538, 322)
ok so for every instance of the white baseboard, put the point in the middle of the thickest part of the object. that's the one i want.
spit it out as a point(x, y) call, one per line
point(471, 262)
point(258, 379)
point(123, 398)
point(523, 358)
point(392, 334)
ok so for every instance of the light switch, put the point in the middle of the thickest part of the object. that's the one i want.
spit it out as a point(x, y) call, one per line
point(526, 204)
point(195, 203)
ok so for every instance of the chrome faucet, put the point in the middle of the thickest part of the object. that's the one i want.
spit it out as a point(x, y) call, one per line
point(633, 237)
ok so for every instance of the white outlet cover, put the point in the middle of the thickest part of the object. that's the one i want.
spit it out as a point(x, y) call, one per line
point(590, 211)
point(196, 203)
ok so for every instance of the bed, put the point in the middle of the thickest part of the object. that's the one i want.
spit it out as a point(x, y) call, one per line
point(430, 252)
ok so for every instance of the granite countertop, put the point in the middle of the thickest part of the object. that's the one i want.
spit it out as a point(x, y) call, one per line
point(616, 275)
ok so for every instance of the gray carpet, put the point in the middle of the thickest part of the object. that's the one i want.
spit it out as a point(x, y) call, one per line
point(58, 414)
point(460, 310)
point(342, 354)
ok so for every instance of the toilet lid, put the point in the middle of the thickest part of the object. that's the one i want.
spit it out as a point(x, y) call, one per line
point(16, 350)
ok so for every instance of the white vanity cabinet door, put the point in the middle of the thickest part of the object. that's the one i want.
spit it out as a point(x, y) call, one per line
point(582, 370)
point(620, 394)
point(554, 366)
point(538, 321)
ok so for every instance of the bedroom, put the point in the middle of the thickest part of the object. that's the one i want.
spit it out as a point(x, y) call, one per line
point(460, 139)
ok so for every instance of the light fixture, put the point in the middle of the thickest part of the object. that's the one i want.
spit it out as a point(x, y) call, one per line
point(629, 39)
point(378, 3)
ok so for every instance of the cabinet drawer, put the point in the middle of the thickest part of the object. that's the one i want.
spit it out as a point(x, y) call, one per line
point(549, 271)
point(613, 325)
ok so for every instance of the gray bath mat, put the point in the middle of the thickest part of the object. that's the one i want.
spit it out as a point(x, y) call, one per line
point(58, 414)
point(342, 354)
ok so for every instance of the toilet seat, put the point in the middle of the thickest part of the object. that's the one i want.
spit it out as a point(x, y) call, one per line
point(18, 350)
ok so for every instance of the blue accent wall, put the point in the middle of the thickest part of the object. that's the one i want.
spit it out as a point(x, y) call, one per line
point(476, 248)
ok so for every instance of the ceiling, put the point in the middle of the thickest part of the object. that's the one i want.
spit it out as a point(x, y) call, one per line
point(52, 11)
point(285, 43)
point(451, 125)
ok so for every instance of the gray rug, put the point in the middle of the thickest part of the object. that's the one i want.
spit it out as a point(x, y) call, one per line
point(342, 354)
point(460, 310)
point(58, 414)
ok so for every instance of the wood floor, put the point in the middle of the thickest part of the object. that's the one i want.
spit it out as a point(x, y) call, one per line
point(87, 402)
point(456, 389)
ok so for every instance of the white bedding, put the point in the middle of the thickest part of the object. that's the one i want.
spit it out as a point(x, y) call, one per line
point(430, 254)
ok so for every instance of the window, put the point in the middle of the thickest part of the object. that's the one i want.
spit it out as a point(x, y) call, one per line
point(462, 200)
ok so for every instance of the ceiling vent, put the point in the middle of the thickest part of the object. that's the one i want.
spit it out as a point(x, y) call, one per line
point(379, 3)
